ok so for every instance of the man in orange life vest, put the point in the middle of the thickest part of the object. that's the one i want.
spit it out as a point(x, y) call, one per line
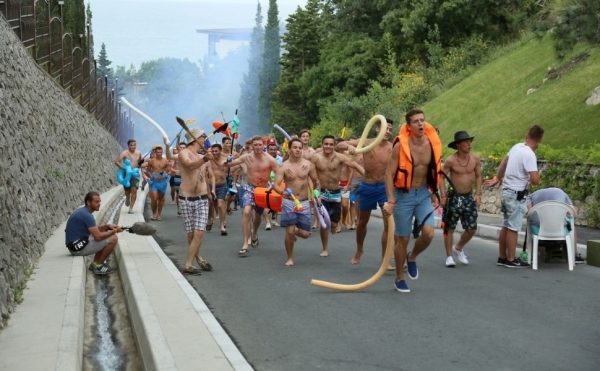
point(413, 175)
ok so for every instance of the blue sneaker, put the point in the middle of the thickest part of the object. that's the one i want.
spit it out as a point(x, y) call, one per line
point(401, 286)
point(412, 270)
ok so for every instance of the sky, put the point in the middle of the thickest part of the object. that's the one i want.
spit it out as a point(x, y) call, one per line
point(135, 31)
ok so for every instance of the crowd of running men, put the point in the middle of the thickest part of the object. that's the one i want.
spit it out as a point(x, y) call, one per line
point(404, 176)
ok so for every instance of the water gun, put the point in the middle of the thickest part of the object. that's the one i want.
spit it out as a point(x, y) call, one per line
point(297, 204)
point(322, 214)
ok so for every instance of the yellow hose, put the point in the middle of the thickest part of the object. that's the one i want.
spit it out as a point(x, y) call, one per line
point(390, 220)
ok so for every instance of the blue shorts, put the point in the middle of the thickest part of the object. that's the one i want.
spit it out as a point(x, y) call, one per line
point(158, 185)
point(221, 191)
point(175, 181)
point(247, 198)
point(415, 203)
point(513, 210)
point(370, 195)
point(289, 217)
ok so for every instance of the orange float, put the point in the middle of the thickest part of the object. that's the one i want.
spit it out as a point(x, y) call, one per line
point(268, 198)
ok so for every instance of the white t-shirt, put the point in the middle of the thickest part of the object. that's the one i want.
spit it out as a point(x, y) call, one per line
point(521, 161)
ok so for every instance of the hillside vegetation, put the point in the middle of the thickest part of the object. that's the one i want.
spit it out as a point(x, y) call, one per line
point(493, 105)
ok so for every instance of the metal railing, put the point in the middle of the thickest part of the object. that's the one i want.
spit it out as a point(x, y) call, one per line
point(67, 59)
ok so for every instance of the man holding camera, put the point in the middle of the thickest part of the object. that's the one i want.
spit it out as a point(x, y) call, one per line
point(516, 171)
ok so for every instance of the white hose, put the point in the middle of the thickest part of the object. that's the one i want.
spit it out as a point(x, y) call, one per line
point(148, 118)
point(285, 134)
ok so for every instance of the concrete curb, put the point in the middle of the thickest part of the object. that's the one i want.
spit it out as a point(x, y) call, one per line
point(488, 231)
point(176, 334)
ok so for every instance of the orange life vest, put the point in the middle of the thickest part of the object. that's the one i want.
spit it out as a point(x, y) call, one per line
point(404, 173)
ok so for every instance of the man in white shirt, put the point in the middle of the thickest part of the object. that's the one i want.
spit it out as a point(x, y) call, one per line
point(516, 171)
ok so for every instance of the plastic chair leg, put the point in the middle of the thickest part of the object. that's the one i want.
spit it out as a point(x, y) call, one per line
point(534, 252)
point(570, 253)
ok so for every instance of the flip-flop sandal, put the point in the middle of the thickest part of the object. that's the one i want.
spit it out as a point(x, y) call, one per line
point(243, 253)
point(254, 243)
point(192, 271)
point(205, 266)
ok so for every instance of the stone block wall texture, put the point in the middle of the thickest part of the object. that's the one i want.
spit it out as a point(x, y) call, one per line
point(53, 152)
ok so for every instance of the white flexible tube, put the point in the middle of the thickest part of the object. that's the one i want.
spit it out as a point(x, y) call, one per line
point(285, 134)
point(148, 118)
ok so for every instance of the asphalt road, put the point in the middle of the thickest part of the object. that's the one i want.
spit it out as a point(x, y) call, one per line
point(475, 317)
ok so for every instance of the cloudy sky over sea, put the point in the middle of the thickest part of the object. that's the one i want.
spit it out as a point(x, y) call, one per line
point(139, 30)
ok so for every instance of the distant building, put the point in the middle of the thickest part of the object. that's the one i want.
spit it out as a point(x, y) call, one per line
point(216, 35)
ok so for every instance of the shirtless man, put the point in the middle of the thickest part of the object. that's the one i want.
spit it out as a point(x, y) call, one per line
point(371, 191)
point(135, 157)
point(464, 170)
point(258, 167)
point(158, 172)
point(175, 180)
point(414, 168)
point(193, 197)
point(221, 188)
point(329, 165)
point(269, 215)
point(307, 151)
point(295, 172)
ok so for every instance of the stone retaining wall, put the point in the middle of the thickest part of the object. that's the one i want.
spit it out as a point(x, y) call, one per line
point(53, 153)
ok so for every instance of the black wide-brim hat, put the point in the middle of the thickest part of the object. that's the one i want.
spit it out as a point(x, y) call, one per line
point(459, 136)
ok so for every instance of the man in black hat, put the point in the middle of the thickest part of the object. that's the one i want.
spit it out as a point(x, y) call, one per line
point(464, 171)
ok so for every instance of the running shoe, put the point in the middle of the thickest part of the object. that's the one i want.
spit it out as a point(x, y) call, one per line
point(460, 256)
point(268, 226)
point(501, 262)
point(400, 286)
point(412, 270)
point(100, 270)
point(517, 263)
point(450, 262)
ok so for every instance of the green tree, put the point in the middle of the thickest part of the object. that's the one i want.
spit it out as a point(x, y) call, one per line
point(88, 18)
point(302, 44)
point(269, 74)
point(250, 89)
point(74, 14)
point(103, 68)
point(577, 21)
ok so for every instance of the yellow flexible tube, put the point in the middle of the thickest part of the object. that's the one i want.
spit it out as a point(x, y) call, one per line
point(390, 220)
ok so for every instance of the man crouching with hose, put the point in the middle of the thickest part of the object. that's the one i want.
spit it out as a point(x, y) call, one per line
point(412, 178)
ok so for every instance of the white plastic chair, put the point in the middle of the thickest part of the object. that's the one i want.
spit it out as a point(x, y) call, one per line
point(552, 216)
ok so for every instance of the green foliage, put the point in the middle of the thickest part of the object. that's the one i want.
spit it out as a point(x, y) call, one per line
point(493, 105)
point(250, 89)
point(74, 18)
point(576, 21)
point(326, 127)
point(103, 68)
point(420, 25)
point(18, 291)
point(302, 44)
point(269, 73)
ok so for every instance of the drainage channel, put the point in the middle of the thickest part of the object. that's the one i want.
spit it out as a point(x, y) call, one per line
point(109, 341)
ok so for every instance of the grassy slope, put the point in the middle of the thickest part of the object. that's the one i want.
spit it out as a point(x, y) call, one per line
point(492, 103)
